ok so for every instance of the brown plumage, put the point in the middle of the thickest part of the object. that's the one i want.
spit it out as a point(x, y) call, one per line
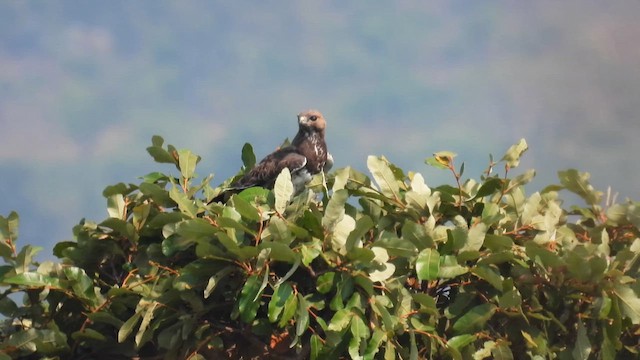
point(306, 156)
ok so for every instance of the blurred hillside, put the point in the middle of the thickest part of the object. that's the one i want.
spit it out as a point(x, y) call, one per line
point(84, 86)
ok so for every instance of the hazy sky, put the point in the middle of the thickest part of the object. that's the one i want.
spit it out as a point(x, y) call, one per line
point(84, 86)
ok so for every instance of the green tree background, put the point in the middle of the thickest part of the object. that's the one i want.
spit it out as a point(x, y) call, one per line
point(84, 84)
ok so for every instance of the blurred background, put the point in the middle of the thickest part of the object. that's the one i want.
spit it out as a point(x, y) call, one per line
point(85, 84)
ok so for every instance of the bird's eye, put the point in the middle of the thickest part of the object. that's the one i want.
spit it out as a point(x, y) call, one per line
point(313, 118)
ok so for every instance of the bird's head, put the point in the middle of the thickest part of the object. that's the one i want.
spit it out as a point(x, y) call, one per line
point(313, 120)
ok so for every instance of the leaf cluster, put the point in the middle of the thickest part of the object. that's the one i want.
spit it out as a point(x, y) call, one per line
point(357, 266)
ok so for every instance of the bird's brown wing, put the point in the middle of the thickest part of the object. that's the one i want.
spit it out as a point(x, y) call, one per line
point(265, 173)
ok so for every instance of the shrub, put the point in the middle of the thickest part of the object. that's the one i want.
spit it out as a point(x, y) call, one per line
point(388, 268)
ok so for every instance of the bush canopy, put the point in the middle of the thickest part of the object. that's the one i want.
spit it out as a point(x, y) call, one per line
point(362, 267)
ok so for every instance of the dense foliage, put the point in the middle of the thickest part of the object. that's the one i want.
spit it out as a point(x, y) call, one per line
point(352, 268)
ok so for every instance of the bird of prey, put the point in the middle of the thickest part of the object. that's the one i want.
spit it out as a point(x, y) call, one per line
point(306, 156)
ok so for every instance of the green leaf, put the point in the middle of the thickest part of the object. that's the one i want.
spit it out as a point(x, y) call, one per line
point(280, 296)
point(283, 190)
point(582, 347)
point(428, 264)
point(489, 187)
point(290, 308)
point(245, 209)
point(513, 154)
point(249, 300)
point(460, 341)
point(161, 155)
point(248, 156)
point(88, 334)
point(335, 209)
point(187, 163)
point(340, 320)
point(215, 280)
point(186, 205)
point(441, 159)
point(474, 319)
point(416, 233)
point(144, 331)
point(358, 327)
point(325, 282)
point(128, 326)
point(302, 317)
point(630, 303)
point(475, 237)
point(489, 275)
point(496, 243)
point(279, 251)
point(363, 225)
point(32, 279)
point(316, 347)
point(578, 183)
point(381, 171)
point(116, 206)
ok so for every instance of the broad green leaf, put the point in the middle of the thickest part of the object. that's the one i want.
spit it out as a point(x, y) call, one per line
point(32, 279)
point(215, 280)
point(316, 347)
point(497, 242)
point(245, 208)
point(416, 233)
point(159, 154)
point(187, 162)
point(249, 300)
point(381, 257)
point(248, 156)
point(280, 296)
point(582, 347)
point(290, 308)
point(9, 228)
point(358, 327)
point(428, 264)
point(105, 317)
point(381, 171)
point(302, 317)
point(335, 209)
point(196, 229)
point(502, 352)
point(340, 320)
point(24, 259)
point(143, 335)
point(341, 177)
point(186, 205)
point(325, 282)
point(630, 303)
point(88, 334)
point(279, 251)
point(475, 237)
point(489, 187)
point(489, 275)
point(128, 326)
point(116, 206)
point(396, 246)
point(578, 183)
point(523, 179)
point(449, 267)
point(513, 154)
point(474, 319)
point(460, 341)
point(388, 323)
point(510, 299)
point(362, 226)
point(441, 159)
point(341, 232)
point(283, 190)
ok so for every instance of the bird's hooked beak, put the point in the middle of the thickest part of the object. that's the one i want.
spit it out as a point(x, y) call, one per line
point(303, 119)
